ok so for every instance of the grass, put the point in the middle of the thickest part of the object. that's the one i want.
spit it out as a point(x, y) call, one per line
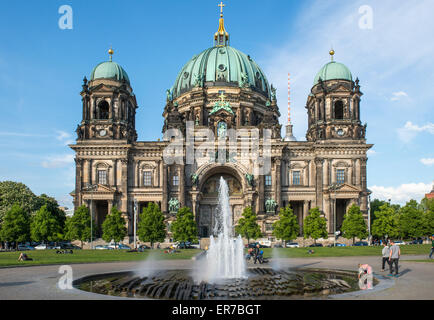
point(342, 251)
point(42, 257)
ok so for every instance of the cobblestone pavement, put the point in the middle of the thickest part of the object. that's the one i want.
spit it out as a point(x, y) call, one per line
point(416, 279)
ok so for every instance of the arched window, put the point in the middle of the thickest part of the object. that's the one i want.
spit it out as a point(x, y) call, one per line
point(339, 110)
point(103, 108)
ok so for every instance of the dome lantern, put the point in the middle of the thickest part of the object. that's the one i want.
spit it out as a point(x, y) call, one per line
point(221, 37)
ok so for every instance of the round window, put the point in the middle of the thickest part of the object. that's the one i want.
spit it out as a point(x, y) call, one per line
point(222, 67)
point(186, 74)
point(340, 132)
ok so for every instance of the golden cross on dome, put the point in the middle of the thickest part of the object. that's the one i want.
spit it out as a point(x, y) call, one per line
point(222, 97)
point(221, 5)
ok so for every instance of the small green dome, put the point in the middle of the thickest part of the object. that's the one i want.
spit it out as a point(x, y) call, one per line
point(221, 64)
point(109, 70)
point(333, 71)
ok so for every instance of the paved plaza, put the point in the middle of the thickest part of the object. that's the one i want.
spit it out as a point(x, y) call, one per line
point(41, 282)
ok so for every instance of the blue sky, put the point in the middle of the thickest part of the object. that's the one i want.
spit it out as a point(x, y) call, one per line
point(42, 67)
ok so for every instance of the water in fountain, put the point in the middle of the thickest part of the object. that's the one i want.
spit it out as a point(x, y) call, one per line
point(225, 256)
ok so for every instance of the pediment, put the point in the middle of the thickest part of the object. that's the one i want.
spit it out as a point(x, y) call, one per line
point(104, 189)
point(348, 188)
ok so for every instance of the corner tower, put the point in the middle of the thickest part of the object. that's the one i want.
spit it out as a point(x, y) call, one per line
point(109, 105)
point(333, 106)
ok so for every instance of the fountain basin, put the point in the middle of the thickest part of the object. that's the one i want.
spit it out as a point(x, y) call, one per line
point(260, 284)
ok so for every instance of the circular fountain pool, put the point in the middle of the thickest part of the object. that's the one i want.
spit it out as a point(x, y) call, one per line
point(261, 283)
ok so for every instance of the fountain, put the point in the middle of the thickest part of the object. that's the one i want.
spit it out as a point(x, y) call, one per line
point(223, 274)
point(225, 256)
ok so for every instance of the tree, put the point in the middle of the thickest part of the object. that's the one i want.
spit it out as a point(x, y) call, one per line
point(53, 207)
point(315, 226)
point(151, 227)
point(113, 227)
point(385, 223)
point(427, 206)
point(12, 193)
point(287, 227)
point(354, 224)
point(16, 225)
point(247, 226)
point(78, 226)
point(374, 207)
point(411, 221)
point(45, 226)
point(184, 228)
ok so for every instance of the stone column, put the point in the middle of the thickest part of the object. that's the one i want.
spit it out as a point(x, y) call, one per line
point(319, 181)
point(261, 197)
point(165, 190)
point(110, 206)
point(278, 189)
point(326, 168)
point(358, 174)
point(78, 181)
point(124, 186)
point(305, 214)
point(182, 185)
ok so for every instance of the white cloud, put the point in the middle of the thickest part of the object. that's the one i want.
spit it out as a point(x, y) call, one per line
point(64, 137)
point(402, 193)
point(398, 95)
point(58, 161)
point(427, 161)
point(371, 152)
point(410, 130)
point(377, 56)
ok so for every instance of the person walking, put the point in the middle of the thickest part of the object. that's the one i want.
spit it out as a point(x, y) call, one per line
point(432, 247)
point(256, 254)
point(394, 254)
point(385, 253)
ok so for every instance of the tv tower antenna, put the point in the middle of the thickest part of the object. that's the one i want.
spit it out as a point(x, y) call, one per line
point(289, 135)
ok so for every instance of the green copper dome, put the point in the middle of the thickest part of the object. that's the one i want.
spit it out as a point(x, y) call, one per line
point(109, 70)
point(221, 65)
point(333, 71)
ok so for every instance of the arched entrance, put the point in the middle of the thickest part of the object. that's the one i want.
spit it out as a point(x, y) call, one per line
point(208, 204)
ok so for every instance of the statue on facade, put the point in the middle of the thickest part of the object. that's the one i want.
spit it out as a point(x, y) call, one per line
point(194, 179)
point(169, 95)
point(198, 80)
point(173, 205)
point(249, 178)
point(270, 205)
point(244, 80)
point(273, 93)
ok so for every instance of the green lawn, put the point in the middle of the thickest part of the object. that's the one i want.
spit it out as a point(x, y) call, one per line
point(341, 251)
point(86, 256)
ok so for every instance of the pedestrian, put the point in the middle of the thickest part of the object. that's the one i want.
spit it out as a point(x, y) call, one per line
point(432, 246)
point(256, 253)
point(385, 252)
point(365, 276)
point(394, 254)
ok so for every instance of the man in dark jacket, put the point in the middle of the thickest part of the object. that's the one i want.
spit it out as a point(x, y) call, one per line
point(256, 254)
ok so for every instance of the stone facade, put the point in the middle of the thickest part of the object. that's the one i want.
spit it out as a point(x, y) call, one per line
point(326, 171)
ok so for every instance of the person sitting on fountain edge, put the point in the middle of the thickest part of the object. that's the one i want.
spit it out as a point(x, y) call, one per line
point(257, 254)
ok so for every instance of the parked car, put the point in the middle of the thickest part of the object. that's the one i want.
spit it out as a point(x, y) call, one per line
point(122, 246)
point(316, 245)
point(418, 241)
point(69, 246)
point(252, 245)
point(184, 245)
point(195, 245)
point(42, 246)
point(341, 245)
point(23, 247)
point(292, 245)
point(101, 247)
point(360, 244)
point(399, 242)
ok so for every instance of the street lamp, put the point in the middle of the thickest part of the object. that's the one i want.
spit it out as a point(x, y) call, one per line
point(91, 187)
point(135, 223)
point(369, 219)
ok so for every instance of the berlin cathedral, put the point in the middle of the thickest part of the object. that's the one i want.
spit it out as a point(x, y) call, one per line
point(220, 89)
